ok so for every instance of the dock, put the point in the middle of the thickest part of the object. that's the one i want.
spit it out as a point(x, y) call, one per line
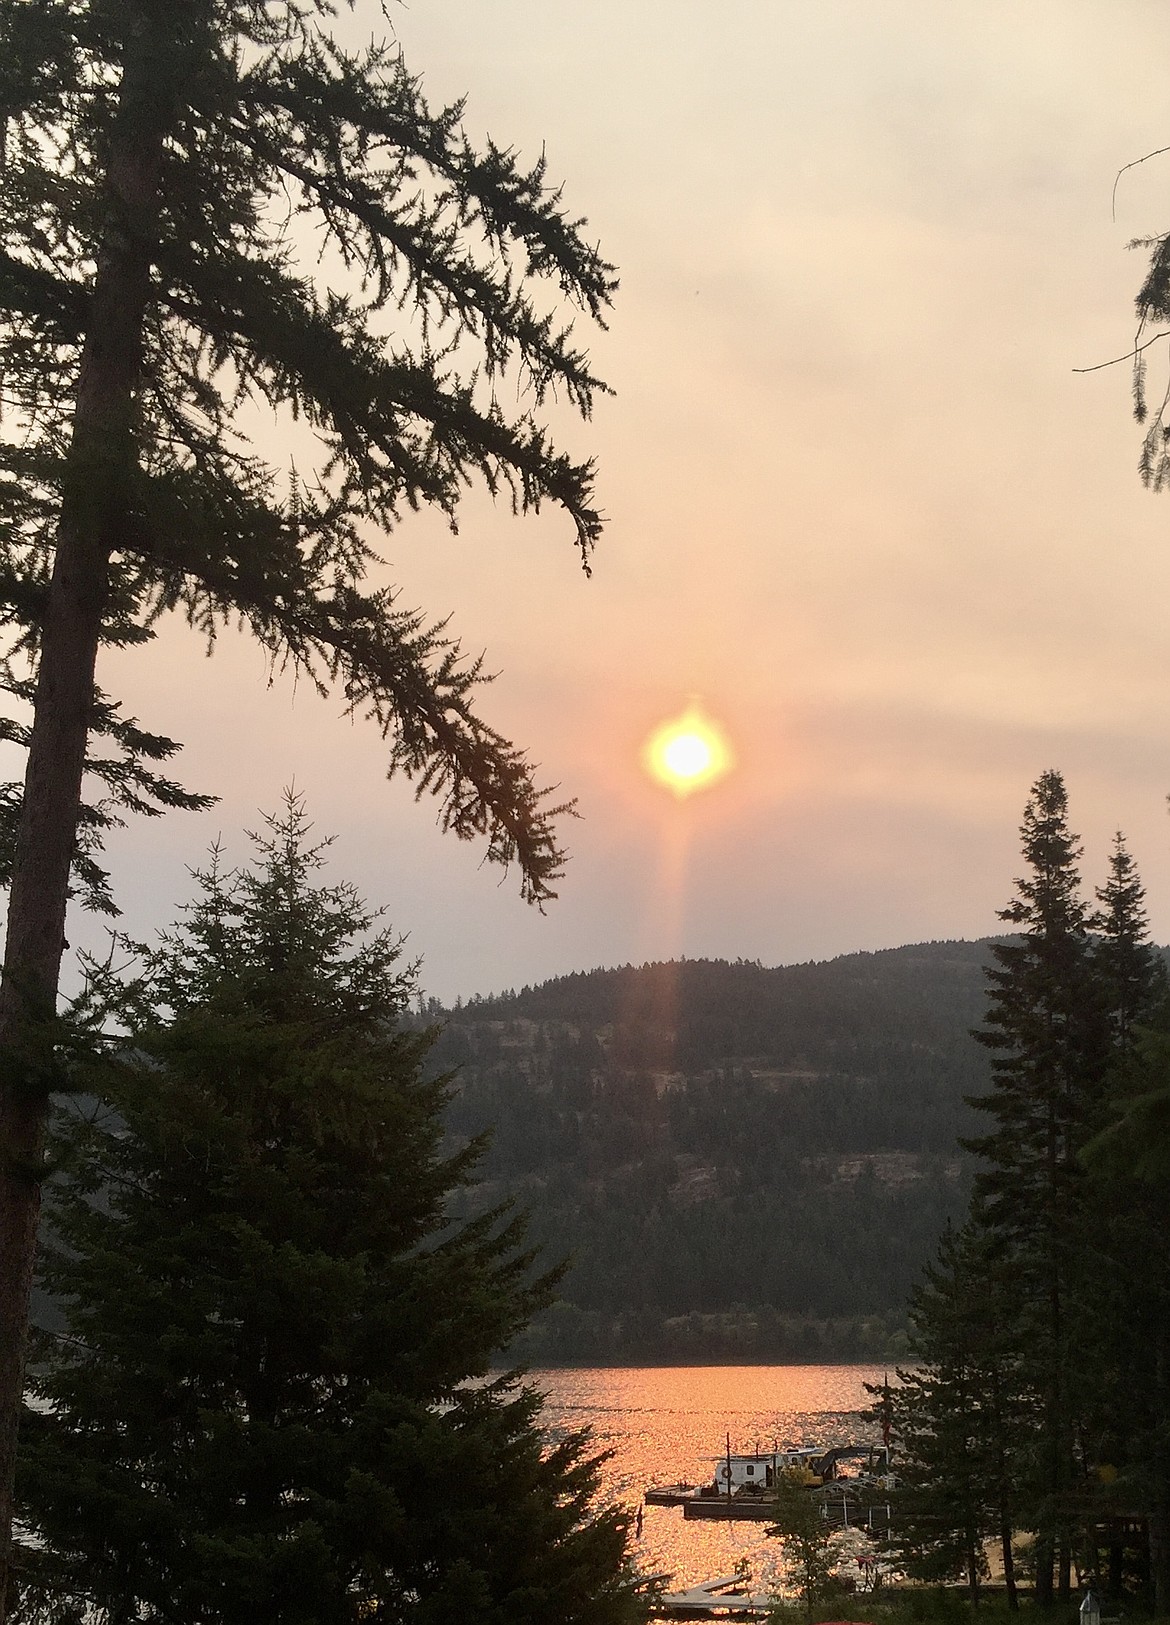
point(841, 1503)
point(715, 1599)
point(743, 1487)
point(742, 1508)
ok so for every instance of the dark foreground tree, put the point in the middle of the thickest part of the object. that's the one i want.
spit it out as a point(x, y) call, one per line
point(1153, 311)
point(962, 1421)
point(1048, 1028)
point(214, 215)
point(1128, 1308)
point(1042, 1335)
point(270, 1398)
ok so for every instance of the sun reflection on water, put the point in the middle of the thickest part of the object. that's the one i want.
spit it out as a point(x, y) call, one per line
point(668, 1423)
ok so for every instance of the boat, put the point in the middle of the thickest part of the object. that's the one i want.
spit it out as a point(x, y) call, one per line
point(741, 1487)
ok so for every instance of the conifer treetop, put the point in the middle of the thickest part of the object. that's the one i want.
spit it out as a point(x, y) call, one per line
point(273, 1390)
point(331, 255)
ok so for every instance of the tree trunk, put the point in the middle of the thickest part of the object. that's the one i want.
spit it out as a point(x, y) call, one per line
point(1009, 1562)
point(1064, 1568)
point(1116, 1568)
point(1053, 1388)
point(972, 1542)
point(1158, 1524)
point(94, 500)
point(1158, 1510)
point(1004, 1493)
point(1044, 1556)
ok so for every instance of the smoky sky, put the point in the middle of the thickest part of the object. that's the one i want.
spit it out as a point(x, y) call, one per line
point(860, 503)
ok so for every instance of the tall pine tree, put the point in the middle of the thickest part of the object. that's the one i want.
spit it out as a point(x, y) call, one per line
point(218, 214)
point(1121, 1291)
point(1127, 1296)
point(1043, 1332)
point(271, 1397)
point(1048, 1030)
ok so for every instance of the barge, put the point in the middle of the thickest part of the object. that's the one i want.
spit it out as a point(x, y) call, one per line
point(742, 1487)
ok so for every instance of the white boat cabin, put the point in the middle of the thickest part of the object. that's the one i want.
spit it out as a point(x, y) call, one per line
point(760, 1470)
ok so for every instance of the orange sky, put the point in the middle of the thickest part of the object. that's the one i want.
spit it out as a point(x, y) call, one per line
point(860, 504)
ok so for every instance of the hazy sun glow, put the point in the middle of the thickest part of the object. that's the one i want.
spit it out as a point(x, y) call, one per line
point(687, 753)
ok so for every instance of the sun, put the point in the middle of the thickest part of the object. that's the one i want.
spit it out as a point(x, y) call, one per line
point(687, 754)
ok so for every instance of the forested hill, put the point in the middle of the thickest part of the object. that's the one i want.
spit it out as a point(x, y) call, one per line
point(744, 1163)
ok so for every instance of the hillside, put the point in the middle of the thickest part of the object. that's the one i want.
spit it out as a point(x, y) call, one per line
point(743, 1162)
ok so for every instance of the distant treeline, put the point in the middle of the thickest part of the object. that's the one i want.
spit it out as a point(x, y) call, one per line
point(739, 1162)
point(571, 1336)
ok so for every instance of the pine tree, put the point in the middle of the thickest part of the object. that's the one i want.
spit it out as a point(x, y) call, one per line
point(1127, 1297)
point(1129, 970)
point(1119, 1297)
point(1042, 1331)
point(272, 1395)
point(213, 209)
point(1153, 309)
point(806, 1538)
point(959, 1416)
point(1047, 1025)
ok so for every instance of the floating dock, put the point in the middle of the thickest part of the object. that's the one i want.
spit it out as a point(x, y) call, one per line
point(842, 1507)
point(743, 1488)
point(715, 1599)
point(748, 1509)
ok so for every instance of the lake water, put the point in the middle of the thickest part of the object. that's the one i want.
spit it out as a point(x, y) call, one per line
point(669, 1423)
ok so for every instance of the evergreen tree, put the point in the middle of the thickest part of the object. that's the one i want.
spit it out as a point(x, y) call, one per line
point(1127, 1309)
point(1128, 969)
point(1043, 1333)
point(1048, 1028)
point(1153, 310)
point(1118, 1293)
point(959, 1415)
point(165, 162)
point(806, 1538)
point(272, 1394)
